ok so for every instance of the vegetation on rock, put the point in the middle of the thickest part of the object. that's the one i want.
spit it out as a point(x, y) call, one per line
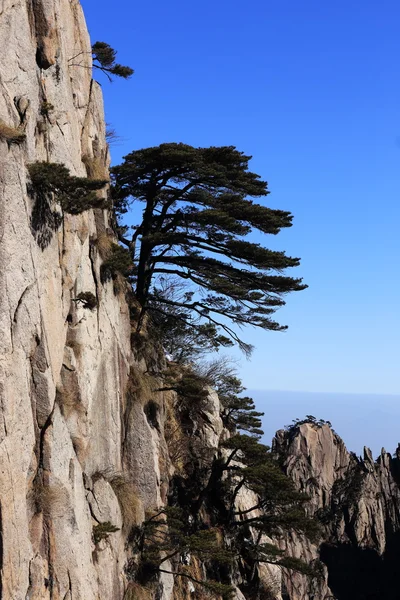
point(183, 335)
point(104, 58)
point(118, 261)
point(46, 108)
point(198, 213)
point(52, 183)
point(238, 411)
point(215, 484)
point(310, 419)
point(168, 537)
point(87, 299)
point(11, 135)
point(102, 531)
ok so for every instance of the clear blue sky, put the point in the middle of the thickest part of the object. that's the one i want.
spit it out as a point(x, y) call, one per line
point(312, 90)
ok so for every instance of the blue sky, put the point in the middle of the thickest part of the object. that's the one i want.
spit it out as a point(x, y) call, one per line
point(312, 90)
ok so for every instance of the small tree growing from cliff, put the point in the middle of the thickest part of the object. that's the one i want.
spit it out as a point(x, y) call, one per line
point(165, 541)
point(198, 212)
point(104, 59)
point(238, 411)
point(52, 182)
point(244, 464)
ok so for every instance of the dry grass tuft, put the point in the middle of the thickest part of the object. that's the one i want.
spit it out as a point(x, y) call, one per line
point(137, 592)
point(181, 589)
point(120, 285)
point(141, 387)
point(80, 448)
point(195, 569)
point(104, 245)
point(128, 498)
point(52, 501)
point(177, 441)
point(76, 347)
point(12, 135)
point(271, 589)
point(69, 400)
point(95, 167)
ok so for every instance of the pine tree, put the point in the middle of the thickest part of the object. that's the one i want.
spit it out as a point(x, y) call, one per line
point(52, 183)
point(168, 537)
point(246, 464)
point(198, 212)
point(238, 412)
point(279, 507)
point(182, 334)
point(104, 58)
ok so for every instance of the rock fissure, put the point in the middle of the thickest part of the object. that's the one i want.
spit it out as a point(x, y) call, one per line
point(81, 396)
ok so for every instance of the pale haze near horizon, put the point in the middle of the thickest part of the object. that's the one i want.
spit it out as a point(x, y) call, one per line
point(359, 419)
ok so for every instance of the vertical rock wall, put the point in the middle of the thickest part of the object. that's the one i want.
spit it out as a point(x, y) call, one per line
point(357, 502)
point(63, 367)
point(76, 447)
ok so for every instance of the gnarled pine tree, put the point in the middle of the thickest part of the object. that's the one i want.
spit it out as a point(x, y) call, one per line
point(104, 59)
point(198, 212)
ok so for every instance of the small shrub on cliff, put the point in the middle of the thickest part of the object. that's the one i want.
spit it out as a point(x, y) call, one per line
point(87, 299)
point(296, 423)
point(104, 58)
point(102, 531)
point(75, 194)
point(12, 135)
point(119, 261)
point(112, 136)
point(52, 182)
point(46, 108)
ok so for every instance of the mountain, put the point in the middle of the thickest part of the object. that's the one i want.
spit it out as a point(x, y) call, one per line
point(99, 440)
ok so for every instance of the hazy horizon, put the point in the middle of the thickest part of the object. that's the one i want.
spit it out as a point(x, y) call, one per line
point(359, 419)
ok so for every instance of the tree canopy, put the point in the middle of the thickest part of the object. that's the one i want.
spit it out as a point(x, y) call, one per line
point(104, 59)
point(51, 182)
point(197, 216)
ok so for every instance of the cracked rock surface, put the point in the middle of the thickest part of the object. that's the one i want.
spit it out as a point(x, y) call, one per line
point(63, 368)
point(78, 448)
point(357, 501)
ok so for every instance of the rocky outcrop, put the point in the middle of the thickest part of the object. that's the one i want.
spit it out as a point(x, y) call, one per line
point(91, 437)
point(357, 502)
point(63, 367)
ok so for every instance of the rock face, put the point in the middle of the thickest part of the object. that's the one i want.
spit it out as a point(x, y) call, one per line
point(90, 437)
point(63, 367)
point(357, 501)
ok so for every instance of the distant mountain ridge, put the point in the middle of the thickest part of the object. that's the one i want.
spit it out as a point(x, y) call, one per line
point(361, 419)
point(357, 502)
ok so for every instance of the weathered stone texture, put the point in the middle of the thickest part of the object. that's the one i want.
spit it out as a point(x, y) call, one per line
point(76, 449)
point(356, 498)
point(63, 368)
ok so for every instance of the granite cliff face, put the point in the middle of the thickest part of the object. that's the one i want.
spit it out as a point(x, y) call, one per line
point(63, 368)
point(89, 435)
point(357, 501)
